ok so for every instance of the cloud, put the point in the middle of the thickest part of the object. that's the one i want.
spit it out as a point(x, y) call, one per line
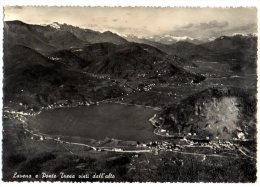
point(190, 25)
point(213, 24)
point(179, 22)
point(47, 21)
point(249, 27)
point(205, 25)
point(205, 30)
point(244, 29)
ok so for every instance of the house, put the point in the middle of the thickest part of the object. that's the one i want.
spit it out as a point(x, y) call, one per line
point(162, 130)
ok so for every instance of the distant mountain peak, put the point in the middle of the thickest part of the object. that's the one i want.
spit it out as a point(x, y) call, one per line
point(55, 25)
point(108, 32)
point(16, 22)
point(245, 34)
point(177, 38)
point(167, 39)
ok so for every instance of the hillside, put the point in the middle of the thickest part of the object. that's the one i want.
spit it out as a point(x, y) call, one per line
point(128, 61)
point(34, 80)
point(140, 62)
point(238, 51)
point(91, 36)
point(214, 113)
point(68, 59)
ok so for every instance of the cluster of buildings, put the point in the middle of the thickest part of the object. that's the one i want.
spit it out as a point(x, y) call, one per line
point(65, 103)
point(156, 146)
point(148, 87)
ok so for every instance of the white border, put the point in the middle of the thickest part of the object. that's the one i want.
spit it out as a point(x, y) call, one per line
point(155, 3)
point(161, 3)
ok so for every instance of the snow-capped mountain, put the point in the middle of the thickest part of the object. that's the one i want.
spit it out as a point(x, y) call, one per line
point(55, 25)
point(164, 39)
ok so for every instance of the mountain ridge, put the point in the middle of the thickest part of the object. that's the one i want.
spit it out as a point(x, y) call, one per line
point(47, 38)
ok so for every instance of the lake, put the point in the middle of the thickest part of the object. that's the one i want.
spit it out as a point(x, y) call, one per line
point(97, 122)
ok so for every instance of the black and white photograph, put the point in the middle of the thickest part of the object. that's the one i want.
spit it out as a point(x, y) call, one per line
point(129, 94)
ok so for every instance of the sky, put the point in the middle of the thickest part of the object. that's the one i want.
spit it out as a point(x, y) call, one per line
point(144, 22)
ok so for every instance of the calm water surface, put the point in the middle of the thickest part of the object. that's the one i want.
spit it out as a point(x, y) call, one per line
point(97, 122)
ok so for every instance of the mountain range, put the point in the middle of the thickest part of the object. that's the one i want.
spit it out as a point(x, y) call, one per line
point(237, 51)
point(61, 36)
point(41, 58)
point(164, 39)
point(43, 64)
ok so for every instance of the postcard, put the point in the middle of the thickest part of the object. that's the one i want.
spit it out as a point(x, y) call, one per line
point(129, 94)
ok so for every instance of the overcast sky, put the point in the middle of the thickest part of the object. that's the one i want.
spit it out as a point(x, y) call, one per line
point(192, 22)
